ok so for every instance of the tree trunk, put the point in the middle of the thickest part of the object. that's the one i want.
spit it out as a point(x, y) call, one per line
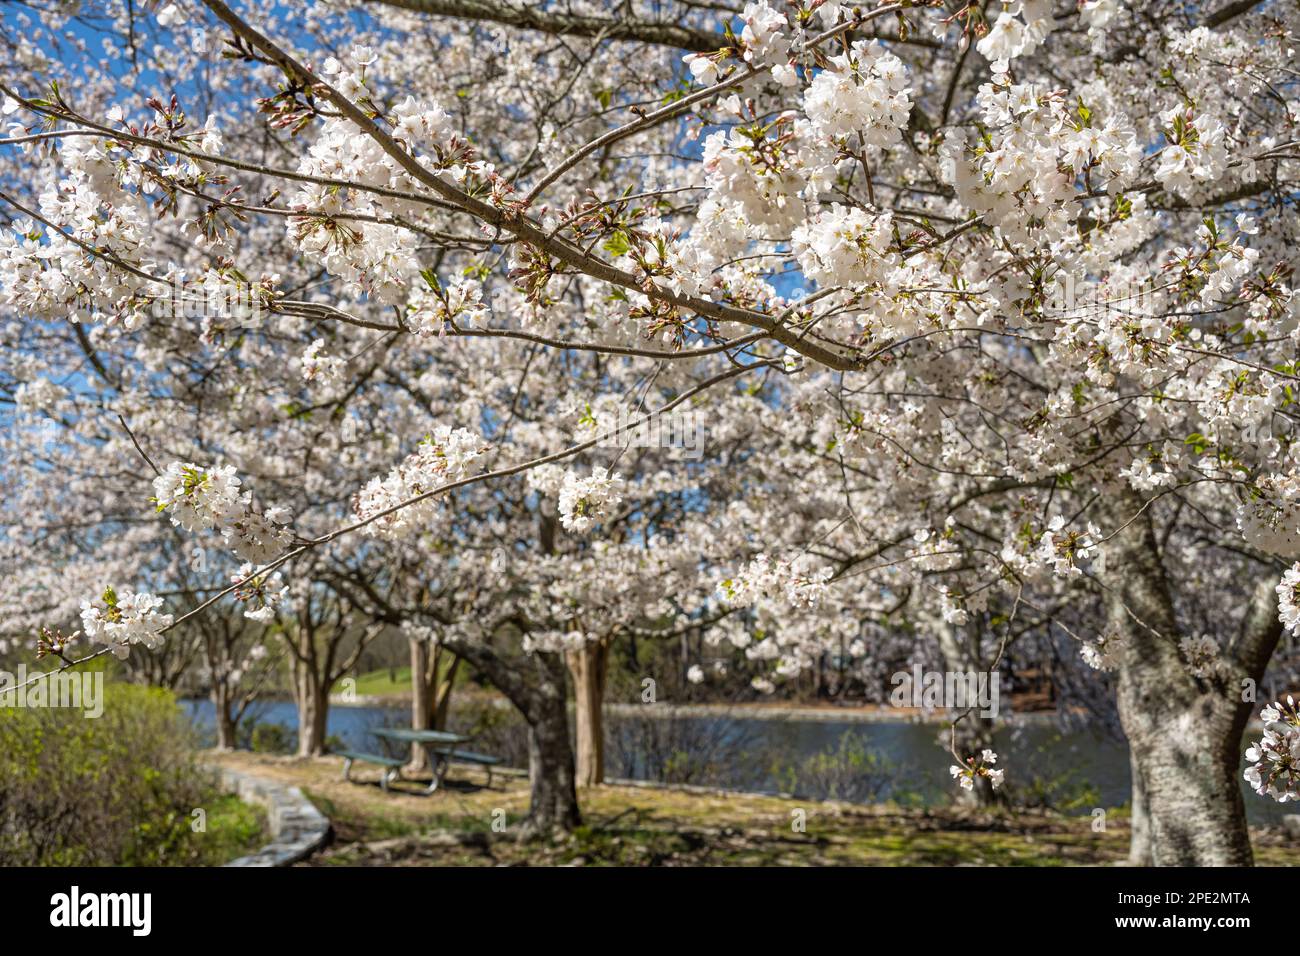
point(1186, 764)
point(443, 666)
point(313, 710)
point(536, 686)
point(589, 667)
point(226, 729)
point(430, 693)
point(1184, 735)
point(421, 702)
point(442, 694)
point(553, 804)
point(1139, 848)
point(227, 737)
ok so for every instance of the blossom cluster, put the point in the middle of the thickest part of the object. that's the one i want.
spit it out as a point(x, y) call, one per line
point(259, 592)
point(431, 311)
point(1202, 656)
point(1101, 654)
point(1288, 599)
point(1062, 550)
point(45, 272)
point(982, 766)
point(1196, 151)
point(318, 366)
point(760, 177)
point(120, 621)
point(362, 236)
point(1015, 36)
point(795, 580)
point(198, 498)
point(445, 455)
point(553, 642)
point(862, 93)
point(1270, 518)
point(1021, 176)
point(763, 43)
point(586, 501)
point(846, 246)
point(1274, 769)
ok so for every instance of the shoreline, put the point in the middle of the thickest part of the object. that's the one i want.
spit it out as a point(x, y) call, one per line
point(805, 713)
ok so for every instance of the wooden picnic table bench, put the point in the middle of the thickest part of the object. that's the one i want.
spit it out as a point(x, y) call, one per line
point(440, 746)
point(392, 765)
point(486, 761)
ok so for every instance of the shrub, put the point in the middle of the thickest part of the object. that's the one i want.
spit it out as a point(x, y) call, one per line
point(269, 738)
point(116, 790)
point(685, 750)
point(848, 771)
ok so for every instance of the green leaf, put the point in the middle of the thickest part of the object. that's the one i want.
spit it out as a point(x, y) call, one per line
point(617, 244)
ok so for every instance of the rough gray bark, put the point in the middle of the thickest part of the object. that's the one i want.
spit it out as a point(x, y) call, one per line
point(226, 737)
point(1139, 847)
point(1184, 733)
point(553, 801)
point(536, 686)
point(312, 713)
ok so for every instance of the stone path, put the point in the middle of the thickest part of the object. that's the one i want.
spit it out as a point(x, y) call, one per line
point(298, 829)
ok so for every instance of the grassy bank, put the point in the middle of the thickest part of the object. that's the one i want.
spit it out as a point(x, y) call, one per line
point(381, 683)
point(660, 827)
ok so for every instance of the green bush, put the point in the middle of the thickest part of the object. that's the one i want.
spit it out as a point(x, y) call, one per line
point(1066, 789)
point(120, 789)
point(268, 738)
point(849, 771)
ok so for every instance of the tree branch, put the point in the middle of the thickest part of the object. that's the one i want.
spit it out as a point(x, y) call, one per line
point(550, 20)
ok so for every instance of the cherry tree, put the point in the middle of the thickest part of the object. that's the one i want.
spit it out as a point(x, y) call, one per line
point(989, 309)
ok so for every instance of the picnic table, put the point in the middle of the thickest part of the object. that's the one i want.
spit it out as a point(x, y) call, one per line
point(443, 749)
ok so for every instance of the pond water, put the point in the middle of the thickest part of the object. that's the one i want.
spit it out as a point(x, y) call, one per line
point(851, 760)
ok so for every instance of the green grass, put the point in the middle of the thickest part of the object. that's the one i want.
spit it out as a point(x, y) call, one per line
point(375, 825)
point(234, 829)
point(626, 826)
point(379, 684)
point(629, 826)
